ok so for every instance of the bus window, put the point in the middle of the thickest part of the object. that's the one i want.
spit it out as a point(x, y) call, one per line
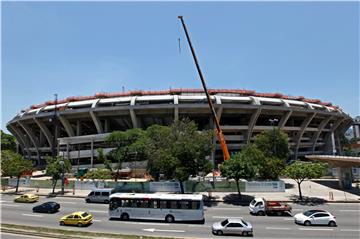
point(154, 204)
point(195, 205)
point(184, 205)
point(114, 203)
point(173, 204)
point(163, 204)
point(145, 204)
point(126, 203)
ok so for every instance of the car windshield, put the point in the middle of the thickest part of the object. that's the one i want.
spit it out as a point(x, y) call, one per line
point(253, 202)
point(243, 222)
point(85, 214)
point(309, 213)
point(223, 223)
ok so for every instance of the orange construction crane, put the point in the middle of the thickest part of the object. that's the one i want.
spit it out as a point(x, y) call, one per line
point(219, 132)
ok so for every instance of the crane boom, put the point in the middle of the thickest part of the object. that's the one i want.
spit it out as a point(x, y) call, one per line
point(219, 132)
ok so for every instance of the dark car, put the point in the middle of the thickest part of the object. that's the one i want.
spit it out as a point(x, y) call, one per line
point(48, 207)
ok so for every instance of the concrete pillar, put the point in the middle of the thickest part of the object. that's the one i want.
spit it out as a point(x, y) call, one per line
point(176, 107)
point(92, 153)
point(345, 177)
point(106, 125)
point(78, 128)
point(357, 131)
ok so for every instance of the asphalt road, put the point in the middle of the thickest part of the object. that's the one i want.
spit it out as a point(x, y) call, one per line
point(347, 216)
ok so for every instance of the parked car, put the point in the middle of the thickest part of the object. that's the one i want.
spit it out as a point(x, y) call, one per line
point(77, 219)
point(315, 217)
point(232, 226)
point(98, 195)
point(260, 206)
point(27, 198)
point(47, 207)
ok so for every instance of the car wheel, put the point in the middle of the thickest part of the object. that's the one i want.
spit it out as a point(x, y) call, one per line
point(169, 219)
point(332, 224)
point(79, 224)
point(307, 223)
point(279, 213)
point(245, 234)
point(261, 213)
point(62, 223)
point(87, 200)
point(124, 216)
point(219, 232)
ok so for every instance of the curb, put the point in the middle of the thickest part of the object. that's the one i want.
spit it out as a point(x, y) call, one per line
point(37, 234)
point(206, 200)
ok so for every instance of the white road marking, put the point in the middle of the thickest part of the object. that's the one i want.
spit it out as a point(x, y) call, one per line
point(227, 217)
point(222, 208)
point(198, 226)
point(67, 202)
point(160, 230)
point(277, 228)
point(4, 201)
point(350, 230)
point(94, 220)
point(98, 211)
point(316, 229)
point(348, 210)
point(145, 223)
point(289, 219)
point(9, 205)
point(31, 215)
point(297, 209)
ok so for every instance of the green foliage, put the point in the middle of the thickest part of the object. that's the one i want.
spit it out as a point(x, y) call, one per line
point(273, 143)
point(14, 165)
point(7, 142)
point(238, 167)
point(99, 173)
point(54, 168)
point(103, 159)
point(300, 171)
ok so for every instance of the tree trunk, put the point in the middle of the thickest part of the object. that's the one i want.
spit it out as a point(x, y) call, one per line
point(54, 186)
point(17, 183)
point(182, 187)
point(300, 194)
point(238, 188)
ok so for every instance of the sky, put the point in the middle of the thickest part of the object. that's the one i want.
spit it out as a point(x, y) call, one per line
point(306, 49)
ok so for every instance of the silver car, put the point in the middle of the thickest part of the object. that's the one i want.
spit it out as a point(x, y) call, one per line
point(315, 217)
point(232, 226)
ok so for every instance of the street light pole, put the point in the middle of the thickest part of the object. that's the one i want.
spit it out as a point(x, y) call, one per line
point(62, 174)
point(272, 122)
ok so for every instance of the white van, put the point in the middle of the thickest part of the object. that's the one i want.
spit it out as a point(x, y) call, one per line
point(99, 196)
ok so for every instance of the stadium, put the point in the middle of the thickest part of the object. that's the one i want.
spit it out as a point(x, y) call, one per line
point(313, 126)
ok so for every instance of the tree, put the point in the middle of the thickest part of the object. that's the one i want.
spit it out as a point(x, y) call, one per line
point(178, 151)
point(300, 171)
point(55, 169)
point(7, 142)
point(273, 143)
point(271, 154)
point(14, 165)
point(127, 144)
point(238, 167)
point(103, 159)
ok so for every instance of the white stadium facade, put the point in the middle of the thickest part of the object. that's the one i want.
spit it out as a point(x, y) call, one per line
point(313, 127)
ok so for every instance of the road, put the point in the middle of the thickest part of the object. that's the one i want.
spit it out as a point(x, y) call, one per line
point(347, 216)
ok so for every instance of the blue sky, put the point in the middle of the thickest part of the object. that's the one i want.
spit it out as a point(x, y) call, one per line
point(77, 48)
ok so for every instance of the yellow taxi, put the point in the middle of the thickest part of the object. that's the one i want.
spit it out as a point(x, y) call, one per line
point(77, 219)
point(27, 197)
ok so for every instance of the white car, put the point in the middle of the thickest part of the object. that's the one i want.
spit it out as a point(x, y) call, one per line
point(232, 226)
point(315, 217)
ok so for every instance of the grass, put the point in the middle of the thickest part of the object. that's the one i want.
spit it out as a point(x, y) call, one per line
point(71, 233)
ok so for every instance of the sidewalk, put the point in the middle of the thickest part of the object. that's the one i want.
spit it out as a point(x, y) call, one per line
point(314, 191)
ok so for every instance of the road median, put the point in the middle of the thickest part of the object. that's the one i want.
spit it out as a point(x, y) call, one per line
point(65, 233)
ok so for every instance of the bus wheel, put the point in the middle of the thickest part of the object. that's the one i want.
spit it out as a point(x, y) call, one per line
point(124, 216)
point(169, 219)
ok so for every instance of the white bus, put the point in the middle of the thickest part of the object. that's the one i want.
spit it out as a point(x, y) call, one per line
point(153, 206)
